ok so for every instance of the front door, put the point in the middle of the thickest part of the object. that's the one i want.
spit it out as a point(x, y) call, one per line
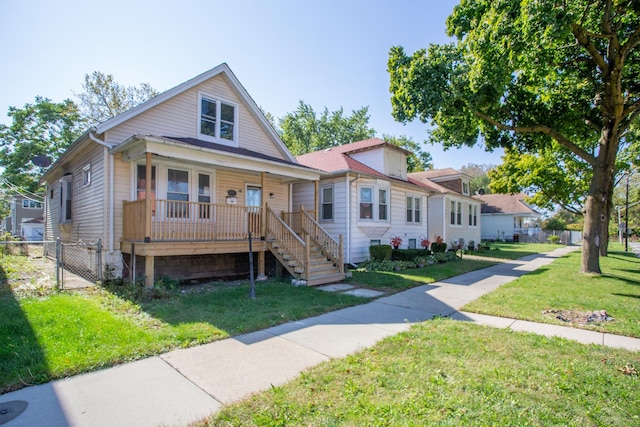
point(253, 198)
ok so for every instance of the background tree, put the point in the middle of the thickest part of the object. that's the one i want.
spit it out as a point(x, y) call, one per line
point(104, 98)
point(418, 160)
point(525, 74)
point(480, 175)
point(44, 128)
point(303, 131)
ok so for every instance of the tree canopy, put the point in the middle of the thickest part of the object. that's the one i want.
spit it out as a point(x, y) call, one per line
point(544, 78)
point(303, 131)
point(104, 98)
point(44, 128)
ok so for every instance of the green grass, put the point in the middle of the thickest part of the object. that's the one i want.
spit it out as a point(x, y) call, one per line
point(560, 287)
point(48, 334)
point(506, 250)
point(444, 373)
point(399, 280)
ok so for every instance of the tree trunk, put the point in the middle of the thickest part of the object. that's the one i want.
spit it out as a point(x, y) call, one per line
point(590, 262)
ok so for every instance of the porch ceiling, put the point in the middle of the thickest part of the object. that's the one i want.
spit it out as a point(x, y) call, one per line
point(193, 151)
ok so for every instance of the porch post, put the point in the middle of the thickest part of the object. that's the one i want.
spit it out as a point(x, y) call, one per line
point(316, 191)
point(147, 204)
point(263, 228)
point(149, 266)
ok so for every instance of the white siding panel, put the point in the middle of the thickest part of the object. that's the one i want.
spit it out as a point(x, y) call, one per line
point(178, 117)
point(372, 158)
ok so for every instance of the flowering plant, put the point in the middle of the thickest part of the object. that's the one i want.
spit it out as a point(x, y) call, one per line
point(425, 243)
point(396, 241)
point(439, 240)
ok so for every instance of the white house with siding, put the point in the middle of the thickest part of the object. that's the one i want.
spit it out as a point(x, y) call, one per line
point(366, 196)
point(177, 185)
point(453, 213)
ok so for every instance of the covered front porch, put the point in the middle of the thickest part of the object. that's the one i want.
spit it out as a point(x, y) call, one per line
point(242, 202)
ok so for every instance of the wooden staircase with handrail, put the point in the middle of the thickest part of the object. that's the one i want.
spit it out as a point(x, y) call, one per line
point(317, 258)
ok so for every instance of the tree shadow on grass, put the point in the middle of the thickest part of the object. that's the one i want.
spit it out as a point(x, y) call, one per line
point(22, 360)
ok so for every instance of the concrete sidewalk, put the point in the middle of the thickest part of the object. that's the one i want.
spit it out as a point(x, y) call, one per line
point(189, 384)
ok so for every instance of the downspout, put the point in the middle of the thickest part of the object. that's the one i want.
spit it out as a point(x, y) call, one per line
point(111, 191)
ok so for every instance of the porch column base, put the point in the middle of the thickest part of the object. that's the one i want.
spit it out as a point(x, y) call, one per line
point(261, 277)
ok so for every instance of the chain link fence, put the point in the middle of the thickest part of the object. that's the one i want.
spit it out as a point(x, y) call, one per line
point(79, 259)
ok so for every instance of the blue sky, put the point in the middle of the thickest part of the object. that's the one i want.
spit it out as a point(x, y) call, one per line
point(326, 53)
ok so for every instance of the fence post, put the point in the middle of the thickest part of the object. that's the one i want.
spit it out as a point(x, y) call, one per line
point(58, 262)
point(99, 261)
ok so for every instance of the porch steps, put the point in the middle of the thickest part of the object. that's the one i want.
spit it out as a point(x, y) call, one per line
point(320, 272)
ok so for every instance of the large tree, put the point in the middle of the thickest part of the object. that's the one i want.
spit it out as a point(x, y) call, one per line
point(42, 130)
point(104, 98)
point(304, 132)
point(526, 74)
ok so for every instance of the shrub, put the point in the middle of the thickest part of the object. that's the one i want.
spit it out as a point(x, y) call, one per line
point(380, 252)
point(438, 247)
point(406, 254)
point(554, 239)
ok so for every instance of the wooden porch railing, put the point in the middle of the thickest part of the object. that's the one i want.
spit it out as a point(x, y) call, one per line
point(331, 248)
point(191, 221)
point(283, 236)
point(294, 220)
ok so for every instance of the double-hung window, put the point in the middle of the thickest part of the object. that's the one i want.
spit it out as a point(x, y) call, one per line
point(473, 215)
point(382, 205)
point(326, 203)
point(413, 209)
point(366, 203)
point(455, 214)
point(218, 120)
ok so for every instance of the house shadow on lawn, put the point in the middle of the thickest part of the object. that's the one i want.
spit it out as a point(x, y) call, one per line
point(22, 360)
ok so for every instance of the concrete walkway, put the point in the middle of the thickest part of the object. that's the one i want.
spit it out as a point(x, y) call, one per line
point(186, 385)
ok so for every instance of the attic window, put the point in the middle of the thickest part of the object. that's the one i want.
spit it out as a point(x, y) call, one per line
point(218, 121)
point(465, 188)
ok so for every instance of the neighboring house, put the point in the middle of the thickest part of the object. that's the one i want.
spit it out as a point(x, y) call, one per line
point(367, 197)
point(508, 217)
point(176, 185)
point(453, 213)
point(25, 218)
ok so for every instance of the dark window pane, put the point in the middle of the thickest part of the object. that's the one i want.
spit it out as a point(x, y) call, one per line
point(227, 113)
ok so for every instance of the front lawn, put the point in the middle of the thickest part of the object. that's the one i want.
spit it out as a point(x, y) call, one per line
point(394, 281)
point(48, 334)
point(505, 250)
point(559, 290)
point(445, 372)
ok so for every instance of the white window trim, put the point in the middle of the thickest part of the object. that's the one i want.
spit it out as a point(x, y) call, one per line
point(86, 175)
point(375, 208)
point(456, 214)
point(29, 202)
point(415, 201)
point(473, 212)
point(467, 190)
point(218, 139)
point(333, 203)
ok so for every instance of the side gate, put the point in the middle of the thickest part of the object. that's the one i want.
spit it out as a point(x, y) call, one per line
point(77, 263)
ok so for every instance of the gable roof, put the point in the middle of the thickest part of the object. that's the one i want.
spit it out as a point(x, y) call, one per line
point(338, 160)
point(506, 204)
point(222, 69)
point(430, 178)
